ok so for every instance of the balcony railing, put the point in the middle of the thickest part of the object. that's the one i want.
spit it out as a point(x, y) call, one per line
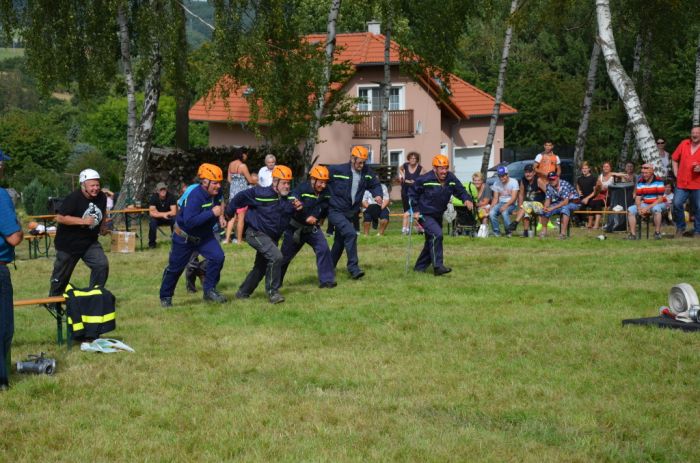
point(400, 124)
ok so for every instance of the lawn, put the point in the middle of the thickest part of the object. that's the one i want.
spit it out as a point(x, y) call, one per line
point(517, 355)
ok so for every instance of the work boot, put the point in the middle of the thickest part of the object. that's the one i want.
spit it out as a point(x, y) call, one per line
point(512, 227)
point(358, 275)
point(328, 284)
point(214, 296)
point(276, 298)
point(240, 295)
point(441, 270)
point(166, 302)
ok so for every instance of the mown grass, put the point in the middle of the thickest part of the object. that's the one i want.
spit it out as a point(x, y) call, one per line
point(517, 355)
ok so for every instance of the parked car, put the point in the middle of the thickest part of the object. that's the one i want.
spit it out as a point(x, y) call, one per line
point(516, 170)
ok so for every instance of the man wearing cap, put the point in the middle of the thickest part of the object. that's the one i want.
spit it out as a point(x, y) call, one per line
point(162, 207)
point(560, 198)
point(505, 194)
point(429, 196)
point(686, 168)
point(10, 236)
point(346, 186)
point(269, 211)
point(194, 232)
point(649, 199)
point(530, 198)
point(81, 219)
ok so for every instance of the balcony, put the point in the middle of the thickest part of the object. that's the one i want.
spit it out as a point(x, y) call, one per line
point(400, 124)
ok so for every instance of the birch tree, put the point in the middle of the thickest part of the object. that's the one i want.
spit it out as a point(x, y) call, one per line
point(386, 88)
point(624, 87)
point(627, 137)
point(495, 113)
point(310, 144)
point(696, 105)
point(586, 106)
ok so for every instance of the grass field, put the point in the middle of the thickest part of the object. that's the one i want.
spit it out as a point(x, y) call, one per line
point(517, 355)
point(10, 52)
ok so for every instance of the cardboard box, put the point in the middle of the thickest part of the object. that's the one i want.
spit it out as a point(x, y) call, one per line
point(123, 241)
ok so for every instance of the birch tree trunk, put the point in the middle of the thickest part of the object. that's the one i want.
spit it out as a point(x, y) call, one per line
point(499, 92)
point(182, 96)
point(627, 138)
point(586, 107)
point(386, 92)
point(643, 135)
point(137, 156)
point(696, 105)
point(124, 42)
point(310, 144)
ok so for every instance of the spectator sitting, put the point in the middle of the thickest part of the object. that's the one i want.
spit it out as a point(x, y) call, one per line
point(505, 193)
point(628, 176)
point(560, 198)
point(376, 214)
point(586, 187)
point(649, 199)
point(162, 207)
point(668, 194)
point(530, 198)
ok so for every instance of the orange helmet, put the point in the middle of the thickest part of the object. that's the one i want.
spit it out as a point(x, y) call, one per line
point(319, 173)
point(282, 172)
point(210, 172)
point(360, 151)
point(440, 160)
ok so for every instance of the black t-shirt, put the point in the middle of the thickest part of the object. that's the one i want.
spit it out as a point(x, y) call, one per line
point(586, 184)
point(162, 205)
point(75, 239)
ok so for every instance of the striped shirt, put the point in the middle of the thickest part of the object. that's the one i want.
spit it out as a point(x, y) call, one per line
point(650, 191)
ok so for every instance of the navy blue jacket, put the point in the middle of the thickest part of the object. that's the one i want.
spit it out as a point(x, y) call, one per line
point(315, 205)
point(268, 212)
point(195, 216)
point(340, 187)
point(429, 197)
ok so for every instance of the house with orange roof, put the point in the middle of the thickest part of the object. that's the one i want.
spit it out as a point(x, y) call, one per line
point(421, 117)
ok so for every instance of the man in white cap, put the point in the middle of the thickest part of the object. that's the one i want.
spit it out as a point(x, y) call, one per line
point(81, 218)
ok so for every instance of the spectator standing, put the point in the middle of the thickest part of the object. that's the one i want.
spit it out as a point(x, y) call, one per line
point(546, 162)
point(560, 198)
point(162, 208)
point(649, 199)
point(347, 185)
point(686, 168)
point(10, 236)
point(408, 173)
point(194, 232)
point(239, 178)
point(81, 218)
point(431, 193)
point(586, 187)
point(375, 213)
point(664, 156)
point(265, 172)
point(268, 216)
point(505, 194)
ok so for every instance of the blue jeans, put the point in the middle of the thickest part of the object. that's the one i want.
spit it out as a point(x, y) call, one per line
point(7, 323)
point(495, 212)
point(680, 196)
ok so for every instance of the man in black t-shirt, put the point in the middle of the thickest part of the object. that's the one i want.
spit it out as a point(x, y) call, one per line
point(162, 207)
point(81, 218)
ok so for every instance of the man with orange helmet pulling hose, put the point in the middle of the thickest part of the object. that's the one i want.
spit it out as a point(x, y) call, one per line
point(429, 196)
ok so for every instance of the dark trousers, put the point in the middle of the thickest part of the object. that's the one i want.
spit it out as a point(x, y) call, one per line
point(94, 257)
point(153, 225)
point(180, 255)
point(7, 323)
point(432, 249)
point(315, 239)
point(195, 268)
point(345, 239)
point(268, 264)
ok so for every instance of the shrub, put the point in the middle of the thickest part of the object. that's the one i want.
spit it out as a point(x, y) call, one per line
point(35, 198)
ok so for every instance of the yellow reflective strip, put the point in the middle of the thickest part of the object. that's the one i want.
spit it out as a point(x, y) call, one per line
point(307, 195)
point(431, 184)
point(99, 319)
point(94, 292)
point(452, 183)
point(368, 176)
point(207, 205)
point(341, 176)
point(266, 200)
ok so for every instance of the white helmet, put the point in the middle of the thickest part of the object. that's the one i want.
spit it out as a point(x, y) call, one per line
point(89, 174)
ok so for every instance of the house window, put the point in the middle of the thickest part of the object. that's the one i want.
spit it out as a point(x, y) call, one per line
point(371, 98)
point(396, 157)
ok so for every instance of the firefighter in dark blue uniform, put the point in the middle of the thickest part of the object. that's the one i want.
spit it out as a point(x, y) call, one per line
point(347, 185)
point(304, 228)
point(429, 196)
point(269, 211)
point(193, 231)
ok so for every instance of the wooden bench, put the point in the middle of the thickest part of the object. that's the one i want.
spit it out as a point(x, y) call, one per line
point(34, 243)
point(53, 304)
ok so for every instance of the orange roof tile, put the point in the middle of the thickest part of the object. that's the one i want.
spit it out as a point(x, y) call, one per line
point(361, 48)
